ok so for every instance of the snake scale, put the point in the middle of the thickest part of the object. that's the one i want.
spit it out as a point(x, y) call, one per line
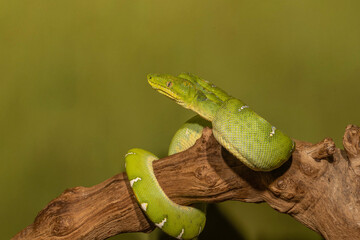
point(248, 136)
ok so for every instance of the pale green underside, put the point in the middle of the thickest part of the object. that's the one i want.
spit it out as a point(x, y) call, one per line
point(187, 134)
point(178, 221)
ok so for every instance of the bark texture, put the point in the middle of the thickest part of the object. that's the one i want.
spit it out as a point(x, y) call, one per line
point(319, 186)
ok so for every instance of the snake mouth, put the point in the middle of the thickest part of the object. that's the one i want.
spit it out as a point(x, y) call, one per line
point(169, 95)
point(166, 91)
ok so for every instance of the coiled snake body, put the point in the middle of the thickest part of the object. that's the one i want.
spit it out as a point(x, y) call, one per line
point(249, 137)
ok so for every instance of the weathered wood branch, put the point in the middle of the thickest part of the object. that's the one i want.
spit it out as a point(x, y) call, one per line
point(319, 186)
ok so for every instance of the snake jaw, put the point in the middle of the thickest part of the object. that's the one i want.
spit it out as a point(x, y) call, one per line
point(176, 88)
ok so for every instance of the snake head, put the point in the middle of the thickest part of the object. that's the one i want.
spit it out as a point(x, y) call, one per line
point(181, 90)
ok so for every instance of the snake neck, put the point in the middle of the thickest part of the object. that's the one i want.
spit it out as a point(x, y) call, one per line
point(205, 106)
point(190, 92)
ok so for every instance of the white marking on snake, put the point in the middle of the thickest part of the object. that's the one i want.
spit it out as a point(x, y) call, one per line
point(161, 224)
point(272, 131)
point(180, 235)
point(144, 206)
point(134, 181)
point(199, 230)
point(187, 131)
point(242, 107)
point(129, 153)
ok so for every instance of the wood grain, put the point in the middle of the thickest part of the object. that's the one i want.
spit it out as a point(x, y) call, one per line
point(319, 186)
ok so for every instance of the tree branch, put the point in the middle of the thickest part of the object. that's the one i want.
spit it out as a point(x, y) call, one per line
point(319, 186)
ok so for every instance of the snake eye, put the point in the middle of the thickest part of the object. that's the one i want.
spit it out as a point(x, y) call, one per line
point(169, 84)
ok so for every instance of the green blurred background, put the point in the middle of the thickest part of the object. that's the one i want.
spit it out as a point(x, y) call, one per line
point(74, 96)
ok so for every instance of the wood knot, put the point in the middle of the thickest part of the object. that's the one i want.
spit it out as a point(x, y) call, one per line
point(281, 184)
point(278, 187)
point(287, 196)
point(283, 188)
point(199, 172)
point(62, 225)
point(351, 142)
point(287, 189)
point(300, 189)
point(322, 150)
point(308, 170)
point(202, 174)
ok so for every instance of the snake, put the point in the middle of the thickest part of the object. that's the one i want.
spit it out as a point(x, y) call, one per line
point(246, 135)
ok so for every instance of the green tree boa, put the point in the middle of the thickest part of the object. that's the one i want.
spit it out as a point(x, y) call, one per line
point(249, 137)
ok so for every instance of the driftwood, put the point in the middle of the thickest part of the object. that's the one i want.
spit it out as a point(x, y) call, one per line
point(319, 186)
